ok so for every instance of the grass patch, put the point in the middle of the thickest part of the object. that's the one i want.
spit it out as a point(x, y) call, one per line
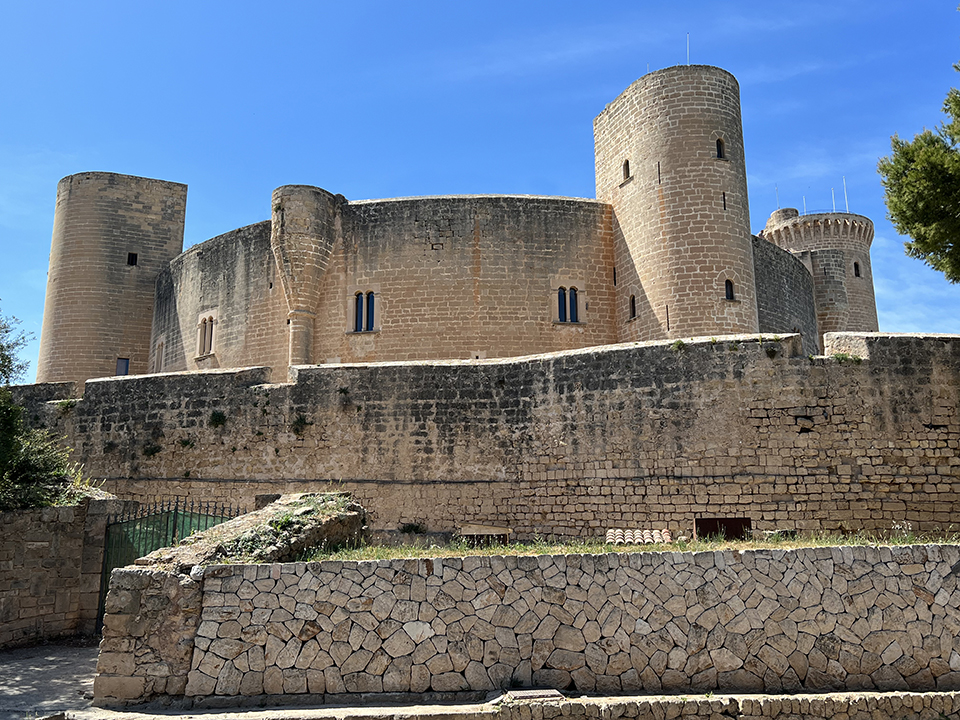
point(542, 546)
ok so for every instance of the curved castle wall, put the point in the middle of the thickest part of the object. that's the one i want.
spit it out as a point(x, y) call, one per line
point(112, 235)
point(670, 160)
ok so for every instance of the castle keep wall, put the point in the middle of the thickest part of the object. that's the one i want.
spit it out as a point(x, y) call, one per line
point(810, 619)
point(112, 235)
point(233, 279)
point(785, 295)
point(467, 277)
point(569, 444)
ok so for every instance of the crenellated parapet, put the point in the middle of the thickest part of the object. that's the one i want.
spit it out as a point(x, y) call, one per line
point(835, 247)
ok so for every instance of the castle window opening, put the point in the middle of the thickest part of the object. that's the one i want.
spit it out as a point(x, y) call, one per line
point(123, 366)
point(205, 336)
point(856, 269)
point(364, 312)
point(614, 276)
point(626, 169)
point(131, 258)
point(633, 306)
point(728, 288)
point(574, 315)
point(562, 304)
point(720, 149)
point(658, 173)
point(724, 200)
point(370, 312)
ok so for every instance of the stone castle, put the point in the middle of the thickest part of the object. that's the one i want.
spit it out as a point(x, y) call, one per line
point(555, 365)
point(665, 252)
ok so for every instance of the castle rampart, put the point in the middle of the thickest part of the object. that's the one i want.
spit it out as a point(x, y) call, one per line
point(112, 236)
point(567, 443)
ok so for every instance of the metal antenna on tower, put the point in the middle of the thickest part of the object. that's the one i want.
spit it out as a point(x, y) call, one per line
point(804, 204)
point(834, 196)
point(688, 48)
point(845, 201)
point(777, 190)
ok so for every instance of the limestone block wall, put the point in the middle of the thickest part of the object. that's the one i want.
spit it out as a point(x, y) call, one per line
point(813, 619)
point(785, 295)
point(112, 235)
point(233, 279)
point(572, 443)
point(50, 563)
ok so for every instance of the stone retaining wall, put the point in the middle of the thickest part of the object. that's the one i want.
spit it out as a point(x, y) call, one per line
point(658, 435)
point(50, 564)
point(815, 619)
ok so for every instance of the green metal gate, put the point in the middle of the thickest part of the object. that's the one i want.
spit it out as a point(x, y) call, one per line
point(137, 533)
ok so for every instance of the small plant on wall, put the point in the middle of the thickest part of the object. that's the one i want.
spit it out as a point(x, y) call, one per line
point(218, 419)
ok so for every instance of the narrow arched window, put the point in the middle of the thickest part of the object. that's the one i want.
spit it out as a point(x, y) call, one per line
point(370, 312)
point(626, 169)
point(633, 306)
point(208, 337)
point(573, 305)
point(856, 269)
point(562, 304)
point(728, 286)
point(720, 153)
point(358, 312)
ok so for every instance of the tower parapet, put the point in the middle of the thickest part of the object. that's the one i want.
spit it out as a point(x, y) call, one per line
point(835, 247)
point(670, 160)
point(112, 235)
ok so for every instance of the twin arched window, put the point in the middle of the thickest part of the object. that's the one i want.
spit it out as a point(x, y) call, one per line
point(364, 313)
point(567, 308)
point(205, 336)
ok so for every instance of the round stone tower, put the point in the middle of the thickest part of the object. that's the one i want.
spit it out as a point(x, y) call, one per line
point(835, 247)
point(670, 160)
point(112, 235)
point(304, 229)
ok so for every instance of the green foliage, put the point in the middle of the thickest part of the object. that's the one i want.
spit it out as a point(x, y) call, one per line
point(34, 468)
point(12, 342)
point(922, 182)
point(841, 358)
point(151, 449)
point(678, 346)
point(218, 419)
point(299, 425)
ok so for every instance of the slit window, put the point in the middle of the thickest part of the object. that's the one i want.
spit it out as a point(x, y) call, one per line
point(123, 366)
point(626, 169)
point(724, 200)
point(633, 306)
point(856, 269)
point(368, 325)
point(574, 314)
point(720, 149)
point(562, 304)
point(728, 290)
point(131, 258)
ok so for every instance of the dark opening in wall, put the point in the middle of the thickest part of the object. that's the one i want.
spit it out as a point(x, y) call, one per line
point(856, 269)
point(720, 149)
point(658, 173)
point(633, 306)
point(728, 288)
point(123, 366)
point(131, 258)
point(726, 528)
point(724, 200)
point(626, 169)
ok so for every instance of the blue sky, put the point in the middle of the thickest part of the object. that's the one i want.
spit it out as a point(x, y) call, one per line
point(387, 99)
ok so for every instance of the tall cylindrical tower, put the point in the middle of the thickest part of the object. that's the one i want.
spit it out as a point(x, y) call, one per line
point(670, 160)
point(835, 247)
point(112, 234)
point(305, 226)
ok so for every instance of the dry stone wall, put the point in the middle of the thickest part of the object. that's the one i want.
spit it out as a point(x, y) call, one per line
point(813, 619)
point(569, 443)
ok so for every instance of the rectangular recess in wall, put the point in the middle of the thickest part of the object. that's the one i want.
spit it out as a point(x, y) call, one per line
point(726, 528)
